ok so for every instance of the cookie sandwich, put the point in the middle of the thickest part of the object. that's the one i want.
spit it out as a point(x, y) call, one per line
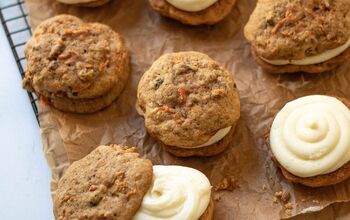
point(113, 183)
point(84, 3)
point(309, 140)
point(190, 104)
point(76, 66)
point(289, 36)
point(194, 12)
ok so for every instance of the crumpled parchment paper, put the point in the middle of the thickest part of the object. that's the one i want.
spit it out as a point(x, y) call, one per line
point(69, 137)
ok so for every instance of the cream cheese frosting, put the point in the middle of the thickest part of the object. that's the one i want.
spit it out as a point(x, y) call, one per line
point(192, 5)
point(176, 193)
point(310, 135)
point(320, 58)
point(75, 1)
point(220, 134)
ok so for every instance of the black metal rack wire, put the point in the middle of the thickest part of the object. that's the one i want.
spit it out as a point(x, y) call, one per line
point(14, 19)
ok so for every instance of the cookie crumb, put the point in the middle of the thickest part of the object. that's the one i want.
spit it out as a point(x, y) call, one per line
point(217, 196)
point(228, 183)
point(288, 212)
point(278, 194)
point(275, 200)
point(285, 196)
point(288, 206)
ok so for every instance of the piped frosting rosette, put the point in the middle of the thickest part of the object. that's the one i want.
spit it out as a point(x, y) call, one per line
point(176, 193)
point(310, 136)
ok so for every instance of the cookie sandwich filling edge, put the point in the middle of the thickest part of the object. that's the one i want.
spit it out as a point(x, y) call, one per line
point(316, 59)
point(192, 5)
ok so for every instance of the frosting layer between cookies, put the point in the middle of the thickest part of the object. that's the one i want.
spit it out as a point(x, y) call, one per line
point(75, 1)
point(220, 134)
point(176, 193)
point(320, 58)
point(310, 135)
point(192, 5)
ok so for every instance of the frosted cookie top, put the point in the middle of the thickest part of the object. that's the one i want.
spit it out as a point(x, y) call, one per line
point(176, 193)
point(310, 135)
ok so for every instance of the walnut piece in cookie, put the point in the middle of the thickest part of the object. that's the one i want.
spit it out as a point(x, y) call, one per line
point(190, 104)
point(109, 183)
point(76, 66)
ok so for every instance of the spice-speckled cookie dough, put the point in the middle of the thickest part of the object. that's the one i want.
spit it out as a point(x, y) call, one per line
point(109, 183)
point(76, 66)
point(85, 3)
point(291, 35)
point(211, 14)
point(190, 104)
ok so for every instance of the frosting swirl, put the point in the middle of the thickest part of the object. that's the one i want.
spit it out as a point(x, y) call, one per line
point(176, 193)
point(191, 5)
point(310, 135)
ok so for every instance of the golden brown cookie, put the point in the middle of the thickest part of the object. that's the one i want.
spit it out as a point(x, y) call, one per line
point(332, 178)
point(109, 183)
point(186, 98)
point(211, 15)
point(89, 4)
point(295, 30)
point(76, 66)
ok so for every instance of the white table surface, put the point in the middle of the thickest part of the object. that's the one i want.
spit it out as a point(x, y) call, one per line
point(24, 173)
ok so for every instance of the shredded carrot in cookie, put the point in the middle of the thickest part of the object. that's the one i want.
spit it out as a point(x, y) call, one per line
point(68, 55)
point(74, 32)
point(176, 119)
point(103, 66)
point(43, 100)
point(165, 109)
point(300, 10)
point(130, 193)
point(183, 94)
point(178, 59)
point(92, 188)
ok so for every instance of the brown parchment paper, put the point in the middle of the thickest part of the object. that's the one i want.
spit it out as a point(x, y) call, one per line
point(69, 137)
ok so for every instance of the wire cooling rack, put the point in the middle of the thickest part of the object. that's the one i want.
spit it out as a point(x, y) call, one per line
point(14, 19)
